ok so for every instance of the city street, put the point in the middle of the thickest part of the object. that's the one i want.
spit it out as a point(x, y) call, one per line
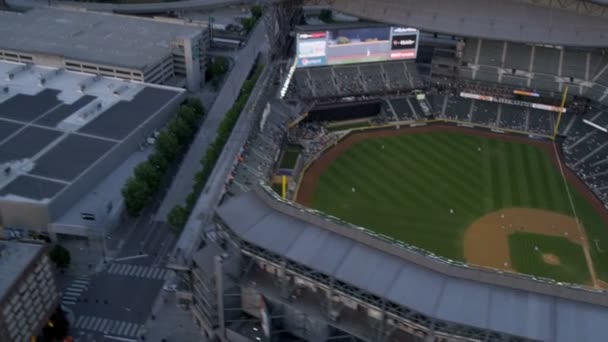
point(114, 302)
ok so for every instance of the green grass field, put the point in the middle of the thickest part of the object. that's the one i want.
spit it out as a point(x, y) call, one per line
point(290, 157)
point(525, 259)
point(406, 185)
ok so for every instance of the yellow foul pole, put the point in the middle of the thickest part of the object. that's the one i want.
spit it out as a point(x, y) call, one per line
point(284, 183)
point(561, 112)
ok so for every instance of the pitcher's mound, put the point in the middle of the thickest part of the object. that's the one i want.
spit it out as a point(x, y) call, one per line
point(551, 259)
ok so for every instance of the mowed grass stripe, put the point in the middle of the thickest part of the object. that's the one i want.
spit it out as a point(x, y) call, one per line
point(462, 168)
point(520, 164)
point(503, 175)
point(511, 168)
point(535, 173)
point(429, 169)
point(487, 187)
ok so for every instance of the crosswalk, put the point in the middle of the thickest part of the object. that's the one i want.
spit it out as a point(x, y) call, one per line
point(70, 295)
point(108, 326)
point(138, 271)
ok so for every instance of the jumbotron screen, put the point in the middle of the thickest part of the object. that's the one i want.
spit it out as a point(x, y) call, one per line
point(356, 45)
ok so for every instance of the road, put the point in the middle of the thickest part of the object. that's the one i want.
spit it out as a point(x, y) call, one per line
point(142, 8)
point(116, 301)
point(204, 207)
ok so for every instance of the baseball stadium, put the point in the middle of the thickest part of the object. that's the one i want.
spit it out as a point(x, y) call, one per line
point(426, 181)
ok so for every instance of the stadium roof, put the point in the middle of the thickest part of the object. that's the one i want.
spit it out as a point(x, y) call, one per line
point(50, 135)
point(464, 301)
point(529, 21)
point(90, 36)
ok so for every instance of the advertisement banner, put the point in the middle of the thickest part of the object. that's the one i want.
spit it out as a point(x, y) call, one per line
point(511, 102)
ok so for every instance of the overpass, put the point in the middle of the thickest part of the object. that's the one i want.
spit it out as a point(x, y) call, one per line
point(141, 8)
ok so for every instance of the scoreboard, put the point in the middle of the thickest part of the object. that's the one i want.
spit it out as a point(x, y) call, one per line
point(356, 45)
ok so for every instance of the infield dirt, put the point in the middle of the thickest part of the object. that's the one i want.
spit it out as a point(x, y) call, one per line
point(486, 241)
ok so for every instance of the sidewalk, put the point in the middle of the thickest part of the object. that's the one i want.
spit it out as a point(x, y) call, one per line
point(184, 180)
point(172, 323)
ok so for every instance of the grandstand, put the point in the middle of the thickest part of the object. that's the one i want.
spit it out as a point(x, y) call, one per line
point(323, 279)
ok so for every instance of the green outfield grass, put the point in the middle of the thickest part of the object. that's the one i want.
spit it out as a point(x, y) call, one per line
point(406, 185)
point(525, 259)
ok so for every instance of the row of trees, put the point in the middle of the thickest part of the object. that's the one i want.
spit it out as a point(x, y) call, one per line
point(249, 22)
point(169, 146)
point(179, 214)
point(217, 68)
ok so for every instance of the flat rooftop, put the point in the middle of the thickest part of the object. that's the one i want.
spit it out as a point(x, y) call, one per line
point(94, 37)
point(14, 258)
point(51, 134)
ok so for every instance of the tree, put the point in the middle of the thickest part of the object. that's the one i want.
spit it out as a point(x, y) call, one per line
point(326, 16)
point(181, 130)
point(219, 66)
point(137, 195)
point(256, 12)
point(196, 104)
point(60, 256)
point(248, 24)
point(177, 218)
point(189, 115)
point(167, 145)
point(157, 160)
point(149, 174)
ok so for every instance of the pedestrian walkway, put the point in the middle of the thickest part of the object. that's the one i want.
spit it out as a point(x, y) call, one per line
point(138, 271)
point(77, 287)
point(108, 326)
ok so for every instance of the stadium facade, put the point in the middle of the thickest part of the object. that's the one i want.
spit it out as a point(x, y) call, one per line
point(267, 267)
point(68, 142)
point(145, 50)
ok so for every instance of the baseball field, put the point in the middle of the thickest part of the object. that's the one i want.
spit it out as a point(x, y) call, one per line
point(487, 199)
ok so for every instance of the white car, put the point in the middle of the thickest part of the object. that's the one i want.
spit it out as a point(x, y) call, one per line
point(170, 287)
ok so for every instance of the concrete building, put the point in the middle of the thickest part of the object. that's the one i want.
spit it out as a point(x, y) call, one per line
point(28, 294)
point(145, 50)
point(68, 142)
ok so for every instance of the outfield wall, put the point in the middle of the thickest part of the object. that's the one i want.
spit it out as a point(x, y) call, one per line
point(425, 258)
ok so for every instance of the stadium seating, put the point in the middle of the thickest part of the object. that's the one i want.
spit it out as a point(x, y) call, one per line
point(484, 113)
point(492, 53)
point(458, 108)
point(518, 56)
point(403, 109)
point(541, 121)
point(348, 80)
point(397, 75)
point(546, 60)
point(373, 77)
point(436, 101)
point(574, 64)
